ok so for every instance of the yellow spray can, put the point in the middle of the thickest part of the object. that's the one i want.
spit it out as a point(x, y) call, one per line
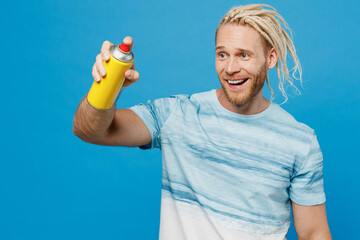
point(103, 94)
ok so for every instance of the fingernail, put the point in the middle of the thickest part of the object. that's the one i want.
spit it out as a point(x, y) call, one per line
point(127, 40)
point(129, 73)
point(106, 56)
point(102, 73)
point(97, 78)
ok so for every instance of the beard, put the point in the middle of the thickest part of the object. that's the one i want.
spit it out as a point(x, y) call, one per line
point(255, 83)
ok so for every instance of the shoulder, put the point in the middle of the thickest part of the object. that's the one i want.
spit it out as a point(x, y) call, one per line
point(195, 99)
point(173, 103)
point(295, 136)
point(202, 95)
point(283, 117)
point(184, 98)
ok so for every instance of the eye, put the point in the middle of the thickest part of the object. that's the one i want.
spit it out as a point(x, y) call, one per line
point(244, 56)
point(221, 55)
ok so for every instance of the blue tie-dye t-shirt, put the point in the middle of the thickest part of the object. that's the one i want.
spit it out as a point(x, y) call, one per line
point(227, 175)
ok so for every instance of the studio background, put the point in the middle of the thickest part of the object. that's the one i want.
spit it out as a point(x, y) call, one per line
point(54, 186)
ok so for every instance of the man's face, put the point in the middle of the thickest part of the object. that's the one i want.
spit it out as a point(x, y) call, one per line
point(240, 63)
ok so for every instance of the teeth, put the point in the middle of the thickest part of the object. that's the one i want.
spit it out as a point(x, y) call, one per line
point(236, 82)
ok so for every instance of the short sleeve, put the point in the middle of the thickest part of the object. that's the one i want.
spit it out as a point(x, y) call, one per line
point(306, 186)
point(154, 114)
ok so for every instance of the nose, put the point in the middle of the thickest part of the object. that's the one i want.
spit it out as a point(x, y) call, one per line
point(232, 66)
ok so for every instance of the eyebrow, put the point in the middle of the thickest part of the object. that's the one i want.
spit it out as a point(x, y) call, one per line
point(239, 49)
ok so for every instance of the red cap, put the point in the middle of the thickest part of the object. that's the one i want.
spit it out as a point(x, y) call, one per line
point(124, 47)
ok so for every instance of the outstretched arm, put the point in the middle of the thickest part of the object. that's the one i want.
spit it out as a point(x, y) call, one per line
point(120, 127)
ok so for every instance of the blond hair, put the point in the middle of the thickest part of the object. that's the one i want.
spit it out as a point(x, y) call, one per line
point(272, 27)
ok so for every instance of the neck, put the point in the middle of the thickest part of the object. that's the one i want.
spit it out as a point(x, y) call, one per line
point(253, 106)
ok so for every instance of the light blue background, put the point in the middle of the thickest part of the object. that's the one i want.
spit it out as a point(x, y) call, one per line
point(54, 186)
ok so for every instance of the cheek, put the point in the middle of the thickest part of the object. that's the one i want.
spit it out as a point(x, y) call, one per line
point(218, 66)
point(253, 68)
point(250, 67)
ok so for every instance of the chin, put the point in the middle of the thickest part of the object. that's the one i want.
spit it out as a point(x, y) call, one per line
point(235, 97)
point(237, 100)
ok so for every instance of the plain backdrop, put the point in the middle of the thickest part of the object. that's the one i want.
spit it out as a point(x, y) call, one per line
point(54, 186)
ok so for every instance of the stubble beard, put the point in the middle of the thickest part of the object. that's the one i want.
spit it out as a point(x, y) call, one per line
point(257, 82)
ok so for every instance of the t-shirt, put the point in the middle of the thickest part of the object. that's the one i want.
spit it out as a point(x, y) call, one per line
point(227, 175)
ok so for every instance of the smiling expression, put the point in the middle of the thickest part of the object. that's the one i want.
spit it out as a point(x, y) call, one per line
point(241, 63)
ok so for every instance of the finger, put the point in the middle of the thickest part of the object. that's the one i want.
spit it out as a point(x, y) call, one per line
point(105, 50)
point(95, 74)
point(133, 66)
point(128, 41)
point(132, 75)
point(100, 66)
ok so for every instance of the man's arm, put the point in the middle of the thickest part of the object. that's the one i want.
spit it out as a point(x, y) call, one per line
point(114, 127)
point(311, 222)
point(121, 127)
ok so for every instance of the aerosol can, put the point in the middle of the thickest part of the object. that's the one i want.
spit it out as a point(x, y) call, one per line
point(103, 94)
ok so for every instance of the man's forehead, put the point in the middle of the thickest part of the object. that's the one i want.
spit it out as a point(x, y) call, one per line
point(238, 36)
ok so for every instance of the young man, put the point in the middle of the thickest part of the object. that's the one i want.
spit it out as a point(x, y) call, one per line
point(232, 160)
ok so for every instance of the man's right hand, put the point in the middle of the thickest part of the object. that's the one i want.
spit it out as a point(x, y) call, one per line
point(98, 69)
point(119, 127)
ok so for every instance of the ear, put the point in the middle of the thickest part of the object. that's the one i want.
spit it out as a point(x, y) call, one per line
point(272, 58)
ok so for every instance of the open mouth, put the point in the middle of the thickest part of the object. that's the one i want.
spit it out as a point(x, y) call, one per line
point(237, 82)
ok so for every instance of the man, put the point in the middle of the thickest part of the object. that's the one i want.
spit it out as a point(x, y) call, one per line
point(232, 160)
